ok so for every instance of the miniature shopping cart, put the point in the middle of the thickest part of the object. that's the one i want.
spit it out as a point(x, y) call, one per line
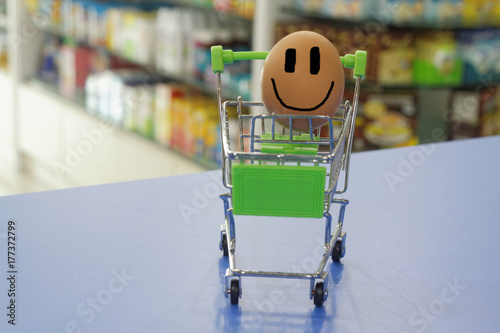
point(272, 162)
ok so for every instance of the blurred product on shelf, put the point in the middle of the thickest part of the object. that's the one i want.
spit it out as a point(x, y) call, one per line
point(390, 120)
point(174, 29)
point(187, 122)
point(106, 96)
point(479, 50)
point(74, 67)
point(48, 71)
point(194, 127)
point(348, 9)
point(97, 24)
point(432, 12)
point(437, 61)
point(165, 97)
point(122, 54)
point(174, 40)
point(447, 12)
point(402, 11)
point(138, 107)
point(169, 113)
point(479, 12)
point(388, 10)
point(3, 7)
point(137, 37)
point(244, 8)
point(474, 114)
point(409, 57)
point(183, 41)
point(68, 65)
point(81, 18)
point(128, 31)
point(3, 49)
point(391, 59)
point(385, 120)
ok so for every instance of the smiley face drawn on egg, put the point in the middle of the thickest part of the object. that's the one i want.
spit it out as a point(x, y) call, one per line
point(303, 75)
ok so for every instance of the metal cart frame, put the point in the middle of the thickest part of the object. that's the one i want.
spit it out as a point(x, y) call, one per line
point(265, 147)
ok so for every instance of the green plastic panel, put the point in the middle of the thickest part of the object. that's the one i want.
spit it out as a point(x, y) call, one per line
point(278, 190)
point(289, 148)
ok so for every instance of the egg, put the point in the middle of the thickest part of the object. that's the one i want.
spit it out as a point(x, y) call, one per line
point(303, 75)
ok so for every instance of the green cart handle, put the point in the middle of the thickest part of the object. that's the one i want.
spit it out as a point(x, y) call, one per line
point(220, 57)
point(357, 62)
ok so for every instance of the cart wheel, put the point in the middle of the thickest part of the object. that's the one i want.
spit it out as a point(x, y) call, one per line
point(337, 251)
point(225, 249)
point(319, 294)
point(235, 291)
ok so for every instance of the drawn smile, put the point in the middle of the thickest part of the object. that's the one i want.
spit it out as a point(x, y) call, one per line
point(301, 109)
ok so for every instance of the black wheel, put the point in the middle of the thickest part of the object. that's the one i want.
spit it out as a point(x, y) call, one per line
point(337, 251)
point(235, 291)
point(318, 294)
point(225, 248)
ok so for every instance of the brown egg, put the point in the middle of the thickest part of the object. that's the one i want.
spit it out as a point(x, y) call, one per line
point(303, 75)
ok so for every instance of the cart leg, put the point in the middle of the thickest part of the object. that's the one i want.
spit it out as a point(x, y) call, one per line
point(342, 211)
point(228, 233)
point(337, 245)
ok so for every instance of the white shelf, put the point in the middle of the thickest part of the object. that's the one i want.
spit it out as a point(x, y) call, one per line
point(68, 147)
point(77, 104)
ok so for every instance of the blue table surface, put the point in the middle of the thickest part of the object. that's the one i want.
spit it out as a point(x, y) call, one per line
point(422, 253)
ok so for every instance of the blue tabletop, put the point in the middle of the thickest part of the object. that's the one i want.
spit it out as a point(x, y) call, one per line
point(422, 253)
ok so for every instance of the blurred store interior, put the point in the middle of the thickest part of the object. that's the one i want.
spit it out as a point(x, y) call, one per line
point(96, 92)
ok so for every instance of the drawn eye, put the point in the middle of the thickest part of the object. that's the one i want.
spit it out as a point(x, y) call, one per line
point(314, 58)
point(290, 59)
